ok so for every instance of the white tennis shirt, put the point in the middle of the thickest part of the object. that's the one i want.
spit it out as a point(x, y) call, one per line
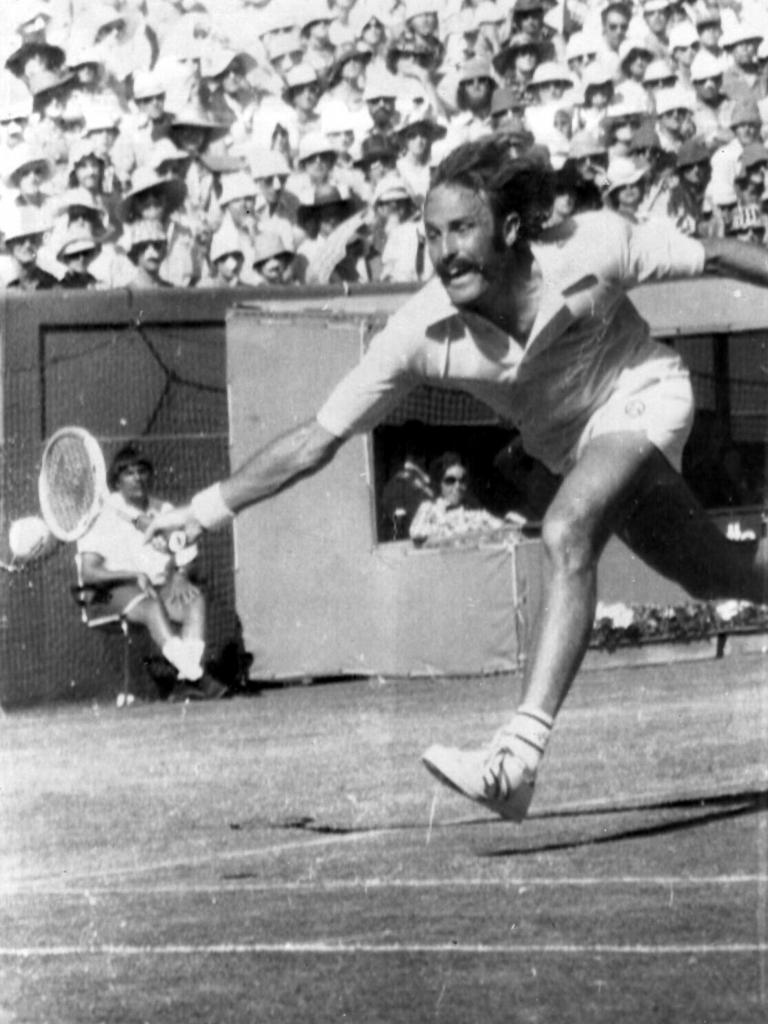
point(121, 544)
point(585, 334)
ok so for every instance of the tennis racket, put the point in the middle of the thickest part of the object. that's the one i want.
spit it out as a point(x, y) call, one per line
point(72, 487)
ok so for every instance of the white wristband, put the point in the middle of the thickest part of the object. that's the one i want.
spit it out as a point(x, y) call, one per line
point(210, 510)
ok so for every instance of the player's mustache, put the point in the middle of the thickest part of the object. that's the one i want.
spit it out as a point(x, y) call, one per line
point(446, 269)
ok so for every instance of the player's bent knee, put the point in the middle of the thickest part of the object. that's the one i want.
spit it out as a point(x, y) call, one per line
point(568, 540)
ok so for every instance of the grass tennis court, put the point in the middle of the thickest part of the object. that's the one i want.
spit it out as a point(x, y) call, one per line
point(285, 858)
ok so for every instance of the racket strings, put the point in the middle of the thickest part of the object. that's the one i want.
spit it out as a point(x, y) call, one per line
point(71, 488)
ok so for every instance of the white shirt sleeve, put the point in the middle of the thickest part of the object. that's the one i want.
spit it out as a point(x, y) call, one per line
point(381, 380)
point(657, 250)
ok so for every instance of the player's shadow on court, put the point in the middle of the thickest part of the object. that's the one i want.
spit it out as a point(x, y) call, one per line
point(567, 830)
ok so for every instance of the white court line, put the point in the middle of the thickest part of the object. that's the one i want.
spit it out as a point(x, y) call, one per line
point(128, 870)
point(359, 948)
point(236, 886)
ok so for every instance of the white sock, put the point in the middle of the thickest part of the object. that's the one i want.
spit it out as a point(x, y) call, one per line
point(173, 651)
point(186, 664)
point(194, 651)
point(528, 734)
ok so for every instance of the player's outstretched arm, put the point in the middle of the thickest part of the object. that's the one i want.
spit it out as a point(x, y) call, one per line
point(285, 460)
point(733, 258)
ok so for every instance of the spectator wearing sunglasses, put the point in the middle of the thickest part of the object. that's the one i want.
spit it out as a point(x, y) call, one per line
point(454, 517)
point(712, 109)
point(684, 204)
point(302, 94)
point(614, 18)
point(674, 118)
point(475, 85)
point(683, 47)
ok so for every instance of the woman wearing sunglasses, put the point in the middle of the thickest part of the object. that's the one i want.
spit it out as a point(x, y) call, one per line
point(455, 516)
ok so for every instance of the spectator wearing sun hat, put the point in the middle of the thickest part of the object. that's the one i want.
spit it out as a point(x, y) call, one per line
point(751, 174)
point(122, 37)
point(401, 241)
point(416, 135)
point(139, 130)
point(276, 206)
point(598, 92)
point(712, 110)
point(76, 249)
point(634, 58)
point(160, 200)
point(380, 95)
point(27, 174)
point(741, 78)
point(471, 97)
point(272, 261)
point(146, 245)
point(15, 114)
point(240, 207)
point(314, 23)
point(23, 229)
point(334, 247)
point(651, 25)
point(709, 27)
point(376, 157)
point(550, 115)
point(516, 61)
point(586, 165)
point(86, 170)
point(225, 93)
point(50, 129)
point(674, 117)
point(302, 93)
point(198, 139)
point(685, 205)
point(34, 60)
point(528, 17)
point(344, 82)
point(226, 259)
point(683, 46)
point(745, 124)
point(624, 187)
point(422, 21)
point(316, 162)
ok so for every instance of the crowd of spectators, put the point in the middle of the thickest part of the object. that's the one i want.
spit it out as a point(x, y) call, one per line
point(230, 143)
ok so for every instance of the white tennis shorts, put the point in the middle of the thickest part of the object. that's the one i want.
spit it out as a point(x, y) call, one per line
point(655, 399)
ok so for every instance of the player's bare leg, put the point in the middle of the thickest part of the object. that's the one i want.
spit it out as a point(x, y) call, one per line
point(589, 505)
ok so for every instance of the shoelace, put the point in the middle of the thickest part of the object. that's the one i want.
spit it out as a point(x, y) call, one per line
point(501, 781)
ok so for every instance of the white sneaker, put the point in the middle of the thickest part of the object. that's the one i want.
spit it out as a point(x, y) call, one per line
point(494, 777)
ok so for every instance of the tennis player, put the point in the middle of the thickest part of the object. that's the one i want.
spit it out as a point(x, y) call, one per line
point(538, 326)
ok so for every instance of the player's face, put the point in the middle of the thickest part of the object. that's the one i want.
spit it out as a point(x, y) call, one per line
point(463, 242)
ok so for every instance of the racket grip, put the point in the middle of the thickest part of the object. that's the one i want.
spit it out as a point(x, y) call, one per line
point(210, 510)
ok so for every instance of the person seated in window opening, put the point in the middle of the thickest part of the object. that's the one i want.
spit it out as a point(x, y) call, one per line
point(146, 583)
point(454, 517)
point(407, 488)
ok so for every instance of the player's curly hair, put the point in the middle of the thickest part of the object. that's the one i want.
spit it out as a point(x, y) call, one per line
point(511, 184)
